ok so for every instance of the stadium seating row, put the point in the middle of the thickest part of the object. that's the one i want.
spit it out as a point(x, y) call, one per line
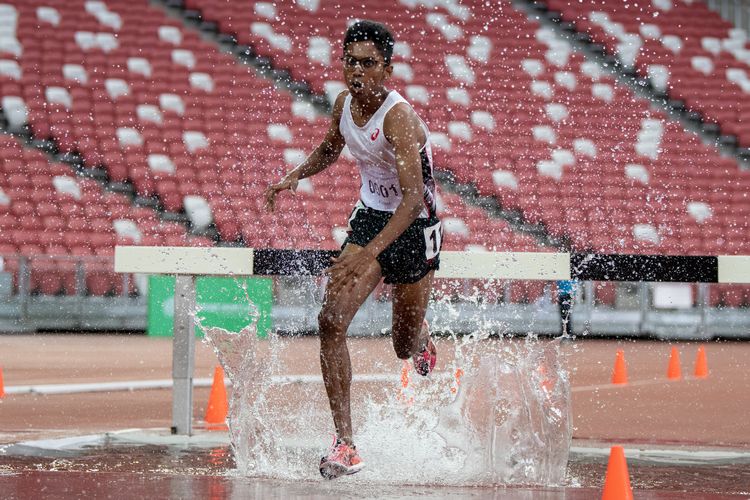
point(514, 111)
point(685, 48)
point(519, 113)
point(133, 91)
point(53, 219)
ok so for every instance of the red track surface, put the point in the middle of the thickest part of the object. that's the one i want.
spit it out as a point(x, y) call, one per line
point(649, 410)
point(707, 412)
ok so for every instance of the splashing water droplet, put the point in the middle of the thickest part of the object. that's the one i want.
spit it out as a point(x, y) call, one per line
point(498, 414)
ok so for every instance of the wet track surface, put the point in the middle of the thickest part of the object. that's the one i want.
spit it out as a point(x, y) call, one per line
point(649, 412)
point(208, 472)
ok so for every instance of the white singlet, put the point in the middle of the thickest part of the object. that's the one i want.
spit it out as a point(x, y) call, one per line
point(376, 159)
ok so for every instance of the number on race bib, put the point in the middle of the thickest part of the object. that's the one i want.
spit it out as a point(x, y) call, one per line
point(433, 238)
point(381, 189)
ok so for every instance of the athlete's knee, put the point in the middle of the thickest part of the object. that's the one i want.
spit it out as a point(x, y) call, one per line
point(331, 325)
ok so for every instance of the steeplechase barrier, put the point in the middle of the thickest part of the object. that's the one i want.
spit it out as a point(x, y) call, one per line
point(186, 263)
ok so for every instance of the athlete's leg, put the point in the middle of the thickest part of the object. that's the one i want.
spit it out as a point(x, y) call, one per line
point(333, 322)
point(409, 307)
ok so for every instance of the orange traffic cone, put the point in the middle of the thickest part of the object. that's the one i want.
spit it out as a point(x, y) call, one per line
point(701, 364)
point(673, 371)
point(216, 412)
point(2, 386)
point(617, 481)
point(620, 372)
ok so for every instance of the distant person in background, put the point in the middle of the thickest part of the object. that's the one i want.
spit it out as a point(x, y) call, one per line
point(566, 290)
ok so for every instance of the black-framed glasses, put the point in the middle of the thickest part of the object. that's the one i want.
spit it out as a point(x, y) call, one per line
point(364, 63)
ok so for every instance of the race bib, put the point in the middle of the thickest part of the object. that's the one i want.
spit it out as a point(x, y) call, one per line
point(433, 239)
point(381, 194)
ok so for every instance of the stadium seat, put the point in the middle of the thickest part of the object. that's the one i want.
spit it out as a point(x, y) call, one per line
point(681, 47)
point(514, 110)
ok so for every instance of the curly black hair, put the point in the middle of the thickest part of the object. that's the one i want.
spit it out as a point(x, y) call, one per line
point(371, 31)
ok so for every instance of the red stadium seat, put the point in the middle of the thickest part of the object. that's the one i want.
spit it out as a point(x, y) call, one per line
point(547, 145)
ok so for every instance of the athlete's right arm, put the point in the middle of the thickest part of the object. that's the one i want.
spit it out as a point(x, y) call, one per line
point(321, 158)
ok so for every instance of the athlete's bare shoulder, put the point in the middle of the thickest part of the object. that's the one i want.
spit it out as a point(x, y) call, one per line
point(402, 111)
point(338, 106)
point(334, 142)
point(401, 120)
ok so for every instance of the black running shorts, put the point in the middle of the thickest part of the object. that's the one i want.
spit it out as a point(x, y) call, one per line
point(408, 259)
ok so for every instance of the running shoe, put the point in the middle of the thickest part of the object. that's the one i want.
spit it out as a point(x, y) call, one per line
point(424, 360)
point(342, 460)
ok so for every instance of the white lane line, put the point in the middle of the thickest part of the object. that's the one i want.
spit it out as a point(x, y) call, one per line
point(157, 436)
point(635, 383)
point(131, 385)
point(134, 385)
point(675, 456)
point(65, 443)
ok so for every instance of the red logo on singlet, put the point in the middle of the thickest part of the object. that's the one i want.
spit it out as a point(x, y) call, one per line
point(375, 134)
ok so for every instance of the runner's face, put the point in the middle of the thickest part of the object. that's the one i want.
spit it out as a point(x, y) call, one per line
point(365, 70)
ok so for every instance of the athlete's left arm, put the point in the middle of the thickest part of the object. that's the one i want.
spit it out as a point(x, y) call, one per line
point(403, 129)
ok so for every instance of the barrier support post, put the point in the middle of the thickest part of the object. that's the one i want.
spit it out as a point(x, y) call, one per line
point(703, 299)
point(183, 354)
point(643, 304)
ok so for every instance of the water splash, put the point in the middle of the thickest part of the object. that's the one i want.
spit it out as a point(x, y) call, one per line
point(498, 414)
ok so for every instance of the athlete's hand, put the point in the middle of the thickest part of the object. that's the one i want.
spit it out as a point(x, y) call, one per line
point(289, 182)
point(347, 269)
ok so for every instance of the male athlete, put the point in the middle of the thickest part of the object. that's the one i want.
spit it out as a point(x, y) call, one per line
point(393, 233)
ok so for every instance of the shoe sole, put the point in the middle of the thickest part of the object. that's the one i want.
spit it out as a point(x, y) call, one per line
point(333, 470)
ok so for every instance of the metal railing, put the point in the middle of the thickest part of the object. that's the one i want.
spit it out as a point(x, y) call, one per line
point(600, 309)
point(60, 275)
point(49, 292)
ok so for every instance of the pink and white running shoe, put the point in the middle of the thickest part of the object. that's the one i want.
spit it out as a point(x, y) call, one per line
point(342, 460)
point(424, 361)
